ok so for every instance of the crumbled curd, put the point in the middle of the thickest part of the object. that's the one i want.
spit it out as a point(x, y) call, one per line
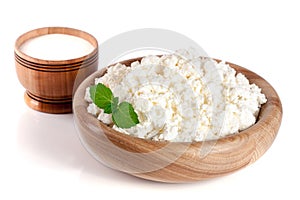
point(180, 99)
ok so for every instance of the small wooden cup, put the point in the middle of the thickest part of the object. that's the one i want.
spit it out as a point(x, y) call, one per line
point(50, 84)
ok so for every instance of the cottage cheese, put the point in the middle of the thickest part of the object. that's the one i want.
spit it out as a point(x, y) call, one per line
point(180, 99)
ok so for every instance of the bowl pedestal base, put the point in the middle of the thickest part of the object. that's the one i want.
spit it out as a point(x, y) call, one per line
point(53, 106)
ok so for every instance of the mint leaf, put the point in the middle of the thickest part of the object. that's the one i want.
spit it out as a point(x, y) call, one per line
point(102, 96)
point(124, 115)
point(107, 109)
point(115, 103)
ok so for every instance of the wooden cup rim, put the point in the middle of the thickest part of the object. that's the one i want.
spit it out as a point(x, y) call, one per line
point(54, 30)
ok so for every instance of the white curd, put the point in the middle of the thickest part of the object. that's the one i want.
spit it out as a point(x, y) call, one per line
point(179, 99)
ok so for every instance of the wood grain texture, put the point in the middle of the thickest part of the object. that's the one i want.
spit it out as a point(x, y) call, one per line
point(178, 162)
point(49, 84)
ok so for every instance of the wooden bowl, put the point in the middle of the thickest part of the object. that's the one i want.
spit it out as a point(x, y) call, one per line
point(177, 162)
point(49, 84)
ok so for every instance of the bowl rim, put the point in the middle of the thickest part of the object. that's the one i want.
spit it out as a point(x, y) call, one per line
point(271, 110)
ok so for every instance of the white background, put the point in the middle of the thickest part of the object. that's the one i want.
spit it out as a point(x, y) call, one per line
point(40, 154)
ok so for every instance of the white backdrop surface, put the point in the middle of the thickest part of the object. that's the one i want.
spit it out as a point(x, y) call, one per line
point(41, 155)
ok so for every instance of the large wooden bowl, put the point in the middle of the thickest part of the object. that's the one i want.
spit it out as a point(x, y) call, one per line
point(178, 162)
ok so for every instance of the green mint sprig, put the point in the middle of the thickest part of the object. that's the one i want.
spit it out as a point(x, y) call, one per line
point(123, 114)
